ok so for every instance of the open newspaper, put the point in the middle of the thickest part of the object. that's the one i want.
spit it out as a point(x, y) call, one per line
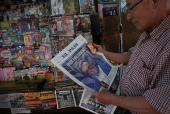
point(92, 71)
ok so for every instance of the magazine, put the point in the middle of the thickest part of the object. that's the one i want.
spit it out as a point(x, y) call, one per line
point(92, 71)
point(90, 103)
point(4, 101)
point(57, 7)
point(77, 92)
point(86, 6)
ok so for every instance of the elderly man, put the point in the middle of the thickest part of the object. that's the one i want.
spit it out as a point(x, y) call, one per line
point(145, 84)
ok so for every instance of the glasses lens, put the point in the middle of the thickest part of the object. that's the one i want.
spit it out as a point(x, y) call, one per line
point(125, 9)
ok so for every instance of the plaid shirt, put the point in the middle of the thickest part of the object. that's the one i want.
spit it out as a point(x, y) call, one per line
point(148, 71)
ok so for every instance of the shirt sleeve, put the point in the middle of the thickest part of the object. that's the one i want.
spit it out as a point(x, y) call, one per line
point(130, 51)
point(159, 94)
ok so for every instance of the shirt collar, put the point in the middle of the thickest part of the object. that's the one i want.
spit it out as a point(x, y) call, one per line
point(155, 34)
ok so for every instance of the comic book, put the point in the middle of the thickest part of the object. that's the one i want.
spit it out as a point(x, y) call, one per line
point(33, 100)
point(65, 26)
point(5, 56)
point(86, 6)
point(42, 9)
point(17, 103)
point(33, 73)
point(82, 23)
point(28, 39)
point(48, 100)
point(4, 24)
point(14, 25)
point(77, 92)
point(33, 24)
point(90, 103)
point(8, 74)
point(49, 77)
point(17, 75)
point(20, 38)
point(4, 101)
point(23, 25)
point(53, 25)
point(64, 98)
point(59, 75)
point(57, 7)
point(25, 74)
point(69, 7)
point(86, 35)
point(54, 45)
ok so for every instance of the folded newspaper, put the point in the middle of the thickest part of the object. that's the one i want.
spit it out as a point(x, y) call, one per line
point(92, 71)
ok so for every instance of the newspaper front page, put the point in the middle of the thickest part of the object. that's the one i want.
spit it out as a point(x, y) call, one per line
point(92, 71)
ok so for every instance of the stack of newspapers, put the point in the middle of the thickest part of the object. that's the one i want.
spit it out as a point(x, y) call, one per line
point(91, 71)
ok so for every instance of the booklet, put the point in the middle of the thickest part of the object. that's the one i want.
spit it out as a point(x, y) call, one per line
point(92, 71)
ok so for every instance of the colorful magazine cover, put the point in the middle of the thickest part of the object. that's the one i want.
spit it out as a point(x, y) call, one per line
point(5, 40)
point(4, 24)
point(28, 39)
point(36, 54)
point(48, 100)
point(54, 45)
point(82, 23)
point(4, 101)
point(35, 39)
point(90, 103)
point(63, 42)
point(44, 35)
point(14, 25)
point(12, 35)
point(57, 7)
point(5, 56)
point(59, 75)
point(77, 7)
point(46, 50)
point(86, 6)
point(17, 103)
point(2, 75)
point(33, 10)
point(8, 74)
point(65, 26)
point(23, 25)
point(87, 36)
point(17, 75)
point(33, 24)
point(13, 13)
point(49, 77)
point(33, 100)
point(33, 73)
point(16, 55)
point(77, 92)
point(100, 10)
point(24, 10)
point(42, 9)
point(53, 25)
point(25, 74)
point(69, 7)
point(3, 12)
point(64, 98)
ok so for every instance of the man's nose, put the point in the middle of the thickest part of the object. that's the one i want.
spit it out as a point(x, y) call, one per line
point(129, 16)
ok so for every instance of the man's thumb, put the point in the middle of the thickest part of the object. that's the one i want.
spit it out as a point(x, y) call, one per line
point(95, 93)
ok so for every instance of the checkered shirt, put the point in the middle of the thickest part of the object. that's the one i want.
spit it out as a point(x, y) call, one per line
point(148, 71)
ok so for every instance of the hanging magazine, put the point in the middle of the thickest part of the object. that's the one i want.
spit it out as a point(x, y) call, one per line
point(92, 71)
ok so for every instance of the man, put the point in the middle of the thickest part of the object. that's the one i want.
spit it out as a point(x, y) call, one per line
point(145, 84)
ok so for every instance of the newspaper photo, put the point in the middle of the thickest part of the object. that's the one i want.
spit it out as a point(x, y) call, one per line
point(92, 71)
point(90, 103)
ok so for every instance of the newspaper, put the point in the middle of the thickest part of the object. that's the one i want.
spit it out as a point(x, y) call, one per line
point(92, 71)
point(90, 103)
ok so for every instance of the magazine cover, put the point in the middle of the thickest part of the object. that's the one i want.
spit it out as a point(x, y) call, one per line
point(86, 6)
point(86, 35)
point(16, 55)
point(3, 12)
point(89, 70)
point(33, 11)
point(46, 49)
point(4, 24)
point(13, 13)
point(54, 45)
point(32, 100)
point(20, 38)
point(12, 35)
point(77, 7)
point(33, 73)
point(23, 25)
point(2, 74)
point(17, 75)
point(82, 23)
point(42, 9)
point(48, 100)
point(65, 26)
point(63, 42)
point(90, 103)
point(77, 92)
point(17, 103)
point(49, 77)
point(53, 25)
point(35, 39)
point(8, 74)
point(100, 10)
point(4, 101)
point(27, 39)
point(14, 24)
point(44, 35)
point(69, 7)
point(64, 98)
point(25, 74)
point(24, 10)
point(5, 56)
point(33, 24)
point(57, 7)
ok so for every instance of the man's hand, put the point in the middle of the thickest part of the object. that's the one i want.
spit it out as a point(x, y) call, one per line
point(99, 48)
point(105, 96)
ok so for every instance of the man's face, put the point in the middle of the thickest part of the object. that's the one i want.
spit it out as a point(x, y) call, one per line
point(90, 68)
point(11, 33)
point(67, 25)
point(143, 15)
point(18, 37)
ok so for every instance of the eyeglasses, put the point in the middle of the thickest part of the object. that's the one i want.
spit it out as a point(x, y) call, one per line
point(130, 10)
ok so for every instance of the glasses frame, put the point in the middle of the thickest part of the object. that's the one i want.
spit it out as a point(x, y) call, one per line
point(126, 10)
